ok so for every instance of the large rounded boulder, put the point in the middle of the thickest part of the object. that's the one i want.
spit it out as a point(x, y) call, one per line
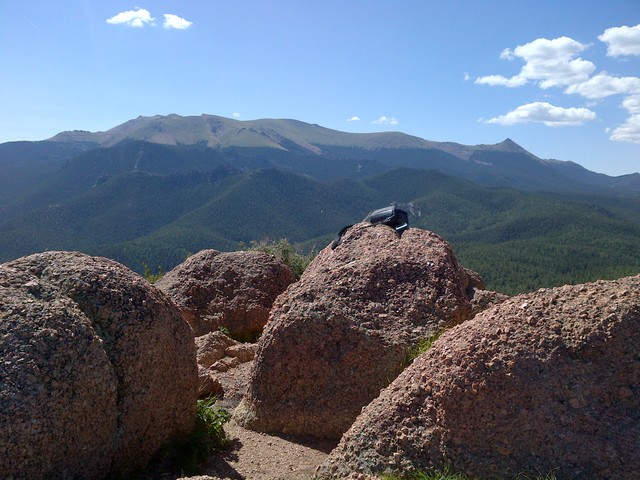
point(233, 290)
point(57, 389)
point(342, 333)
point(544, 382)
point(98, 368)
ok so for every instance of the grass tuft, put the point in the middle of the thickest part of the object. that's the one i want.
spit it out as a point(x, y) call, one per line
point(419, 348)
point(207, 436)
point(448, 475)
point(151, 277)
point(285, 252)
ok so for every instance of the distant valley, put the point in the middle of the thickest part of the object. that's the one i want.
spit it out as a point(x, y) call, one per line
point(155, 189)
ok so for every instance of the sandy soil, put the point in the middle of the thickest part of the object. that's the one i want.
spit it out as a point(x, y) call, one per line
point(258, 456)
point(253, 455)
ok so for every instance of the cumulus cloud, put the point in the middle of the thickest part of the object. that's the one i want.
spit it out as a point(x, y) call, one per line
point(543, 112)
point(552, 63)
point(132, 18)
point(383, 120)
point(355, 118)
point(236, 115)
point(174, 21)
point(621, 40)
point(603, 85)
point(629, 131)
point(493, 80)
point(507, 54)
point(632, 104)
point(557, 63)
point(140, 17)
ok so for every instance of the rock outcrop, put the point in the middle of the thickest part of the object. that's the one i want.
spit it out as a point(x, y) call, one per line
point(212, 347)
point(547, 381)
point(217, 353)
point(208, 384)
point(341, 333)
point(232, 290)
point(484, 299)
point(98, 368)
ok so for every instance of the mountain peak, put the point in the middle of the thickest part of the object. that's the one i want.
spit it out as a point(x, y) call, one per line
point(509, 144)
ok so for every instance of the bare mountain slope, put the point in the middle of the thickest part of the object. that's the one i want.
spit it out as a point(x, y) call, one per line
point(215, 131)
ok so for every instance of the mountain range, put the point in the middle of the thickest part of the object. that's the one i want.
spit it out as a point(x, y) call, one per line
point(154, 189)
point(502, 164)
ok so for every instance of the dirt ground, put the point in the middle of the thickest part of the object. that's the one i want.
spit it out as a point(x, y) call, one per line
point(258, 456)
point(253, 455)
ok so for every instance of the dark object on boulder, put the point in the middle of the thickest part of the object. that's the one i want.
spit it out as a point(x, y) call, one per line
point(233, 290)
point(97, 368)
point(391, 216)
point(342, 333)
point(543, 382)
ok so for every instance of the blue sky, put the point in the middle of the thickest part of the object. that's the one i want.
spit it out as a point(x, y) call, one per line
point(561, 78)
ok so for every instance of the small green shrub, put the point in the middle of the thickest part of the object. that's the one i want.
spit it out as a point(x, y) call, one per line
point(431, 475)
point(419, 348)
point(152, 277)
point(523, 476)
point(285, 252)
point(448, 475)
point(207, 435)
point(211, 420)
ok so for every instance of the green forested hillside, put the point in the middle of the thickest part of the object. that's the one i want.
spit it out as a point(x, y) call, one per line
point(518, 241)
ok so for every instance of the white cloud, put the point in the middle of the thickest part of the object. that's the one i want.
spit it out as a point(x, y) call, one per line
point(355, 118)
point(493, 80)
point(543, 112)
point(507, 54)
point(551, 62)
point(629, 131)
point(141, 17)
point(174, 21)
point(632, 104)
point(603, 85)
point(621, 40)
point(132, 18)
point(383, 120)
point(236, 115)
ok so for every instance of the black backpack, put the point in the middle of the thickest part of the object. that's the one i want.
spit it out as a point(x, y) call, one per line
point(390, 216)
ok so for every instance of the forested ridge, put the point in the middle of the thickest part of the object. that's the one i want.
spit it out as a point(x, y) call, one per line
point(518, 241)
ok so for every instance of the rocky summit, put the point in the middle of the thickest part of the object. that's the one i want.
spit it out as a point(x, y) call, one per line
point(99, 370)
point(341, 334)
point(543, 382)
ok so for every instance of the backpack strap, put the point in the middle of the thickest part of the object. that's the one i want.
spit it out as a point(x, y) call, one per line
point(338, 240)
